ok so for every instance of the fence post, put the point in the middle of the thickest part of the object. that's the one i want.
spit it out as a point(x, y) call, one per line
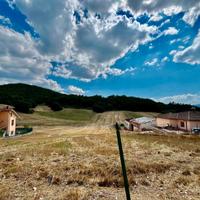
point(123, 165)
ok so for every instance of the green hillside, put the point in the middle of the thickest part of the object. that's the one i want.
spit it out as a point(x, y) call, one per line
point(26, 97)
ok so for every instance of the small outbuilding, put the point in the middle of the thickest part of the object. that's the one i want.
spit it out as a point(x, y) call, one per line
point(8, 118)
point(139, 124)
point(186, 121)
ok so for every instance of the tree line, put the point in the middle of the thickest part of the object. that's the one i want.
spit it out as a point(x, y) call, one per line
point(26, 97)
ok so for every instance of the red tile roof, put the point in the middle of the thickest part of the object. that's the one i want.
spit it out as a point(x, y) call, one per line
point(188, 116)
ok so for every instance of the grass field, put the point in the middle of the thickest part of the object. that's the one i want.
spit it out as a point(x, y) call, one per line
point(69, 114)
point(43, 116)
point(81, 162)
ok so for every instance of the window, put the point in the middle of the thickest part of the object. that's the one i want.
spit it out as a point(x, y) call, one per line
point(13, 122)
point(182, 124)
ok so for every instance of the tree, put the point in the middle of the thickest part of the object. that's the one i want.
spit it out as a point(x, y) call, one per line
point(55, 106)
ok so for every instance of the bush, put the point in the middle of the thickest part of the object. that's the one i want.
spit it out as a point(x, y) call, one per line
point(23, 106)
point(55, 106)
point(1, 133)
point(99, 108)
point(22, 131)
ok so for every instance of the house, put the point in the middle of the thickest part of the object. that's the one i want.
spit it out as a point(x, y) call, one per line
point(8, 120)
point(139, 124)
point(186, 121)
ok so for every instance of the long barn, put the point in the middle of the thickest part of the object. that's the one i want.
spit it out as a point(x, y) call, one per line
point(186, 121)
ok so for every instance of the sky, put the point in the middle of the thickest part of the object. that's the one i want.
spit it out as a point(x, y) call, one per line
point(143, 48)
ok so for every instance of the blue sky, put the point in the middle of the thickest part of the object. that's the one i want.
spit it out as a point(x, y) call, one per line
point(141, 48)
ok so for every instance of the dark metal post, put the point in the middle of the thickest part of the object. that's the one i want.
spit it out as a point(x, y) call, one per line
point(126, 185)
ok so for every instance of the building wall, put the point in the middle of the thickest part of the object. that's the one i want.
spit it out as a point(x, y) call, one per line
point(148, 125)
point(162, 122)
point(11, 124)
point(193, 124)
point(8, 121)
point(181, 124)
point(4, 120)
point(127, 125)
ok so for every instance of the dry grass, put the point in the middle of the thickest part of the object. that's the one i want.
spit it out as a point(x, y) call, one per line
point(83, 163)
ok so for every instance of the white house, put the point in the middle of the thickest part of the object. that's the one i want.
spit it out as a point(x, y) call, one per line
point(139, 124)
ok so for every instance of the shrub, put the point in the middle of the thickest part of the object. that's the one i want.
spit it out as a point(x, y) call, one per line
point(1, 133)
point(99, 108)
point(55, 106)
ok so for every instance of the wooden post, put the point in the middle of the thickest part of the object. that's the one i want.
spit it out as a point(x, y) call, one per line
point(123, 165)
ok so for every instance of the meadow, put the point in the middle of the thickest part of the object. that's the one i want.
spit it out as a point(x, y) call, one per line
point(76, 158)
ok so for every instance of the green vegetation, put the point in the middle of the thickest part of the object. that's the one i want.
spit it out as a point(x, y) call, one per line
point(130, 114)
point(26, 97)
point(1, 133)
point(23, 131)
point(70, 114)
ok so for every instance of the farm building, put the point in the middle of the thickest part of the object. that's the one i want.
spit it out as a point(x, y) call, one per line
point(186, 121)
point(8, 120)
point(139, 124)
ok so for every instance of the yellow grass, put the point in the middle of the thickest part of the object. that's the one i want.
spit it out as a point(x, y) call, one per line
point(82, 162)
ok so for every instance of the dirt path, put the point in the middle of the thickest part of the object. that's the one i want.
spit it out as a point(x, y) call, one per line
point(109, 118)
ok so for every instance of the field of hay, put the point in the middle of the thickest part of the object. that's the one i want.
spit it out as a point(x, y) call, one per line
point(69, 159)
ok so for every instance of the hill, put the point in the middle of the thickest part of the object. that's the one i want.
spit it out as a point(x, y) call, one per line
point(26, 97)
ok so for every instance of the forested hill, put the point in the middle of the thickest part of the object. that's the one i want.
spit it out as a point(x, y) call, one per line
point(25, 97)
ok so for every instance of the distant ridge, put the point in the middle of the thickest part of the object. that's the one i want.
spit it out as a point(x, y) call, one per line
point(26, 97)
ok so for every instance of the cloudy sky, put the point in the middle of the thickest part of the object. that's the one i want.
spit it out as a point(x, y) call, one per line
point(145, 48)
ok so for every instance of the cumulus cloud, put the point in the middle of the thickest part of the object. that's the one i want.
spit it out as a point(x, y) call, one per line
point(156, 17)
point(165, 59)
point(91, 45)
point(153, 62)
point(51, 19)
point(191, 8)
point(85, 49)
point(20, 60)
point(75, 90)
point(193, 99)
point(119, 72)
point(192, 15)
point(170, 31)
point(5, 20)
point(190, 54)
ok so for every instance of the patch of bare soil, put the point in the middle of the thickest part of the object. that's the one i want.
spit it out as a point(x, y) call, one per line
point(72, 163)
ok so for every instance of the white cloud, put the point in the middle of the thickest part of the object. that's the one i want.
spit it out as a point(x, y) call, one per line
point(190, 54)
point(192, 15)
point(181, 47)
point(75, 90)
point(165, 22)
point(170, 31)
point(165, 59)
point(5, 20)
point(191, 8)
point(51, 19)
point(85, 49)
point(183, 98)
point(119, 72)
point(156, 17)
point(153, 62)
point(173, 52)
point(20, 60)
point(90, 46)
